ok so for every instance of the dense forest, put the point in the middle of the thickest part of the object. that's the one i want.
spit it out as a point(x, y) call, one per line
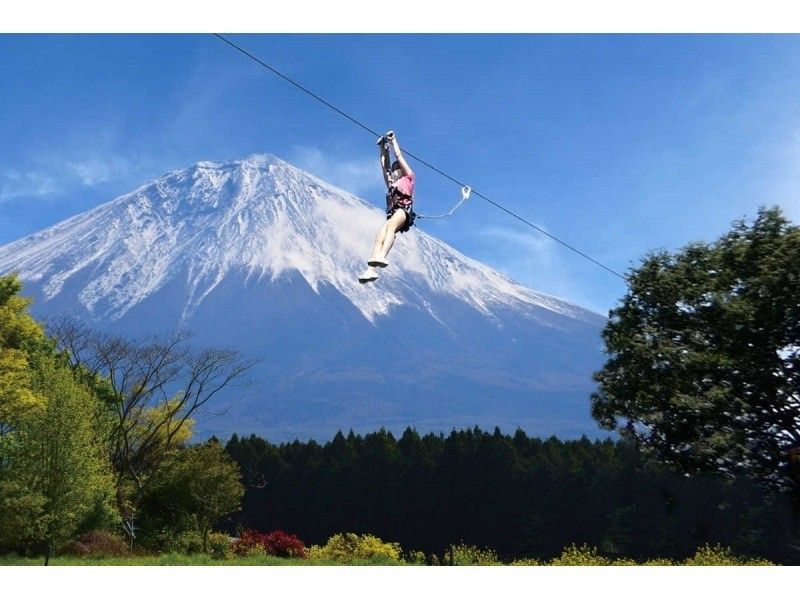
point(518, 495)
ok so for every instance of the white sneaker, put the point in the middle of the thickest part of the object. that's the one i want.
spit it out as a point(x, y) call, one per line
point(378, 261)
point(368, 275)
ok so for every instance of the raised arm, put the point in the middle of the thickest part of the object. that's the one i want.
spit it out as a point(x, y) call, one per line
point(397, 152)
point(385, 165)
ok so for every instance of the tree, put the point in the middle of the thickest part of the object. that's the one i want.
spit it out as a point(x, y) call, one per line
point(57, 474)
point(157, 385)
point(194, 488)
point(20, 337)
point(704, 353)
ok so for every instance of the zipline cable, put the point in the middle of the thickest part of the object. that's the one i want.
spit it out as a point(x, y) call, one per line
point(417, 158)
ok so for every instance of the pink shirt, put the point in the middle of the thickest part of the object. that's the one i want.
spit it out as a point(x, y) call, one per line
point(405, 184)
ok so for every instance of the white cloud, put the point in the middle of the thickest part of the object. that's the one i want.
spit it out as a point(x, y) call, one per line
point(359, 176)
point(526, 256)
point(536, 261)
point(54, 175)
point(15, 184)
point(92, 171)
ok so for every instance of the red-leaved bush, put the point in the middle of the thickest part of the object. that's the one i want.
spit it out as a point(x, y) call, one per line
point(280, 543)
point(275, 543)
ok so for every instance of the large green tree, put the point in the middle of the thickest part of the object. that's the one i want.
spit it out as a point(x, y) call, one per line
point(54, 468)
point(57, 475)
point(154, 387)
point(193, 489)
point(703, 354)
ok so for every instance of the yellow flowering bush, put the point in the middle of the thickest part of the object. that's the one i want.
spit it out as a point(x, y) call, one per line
point(349, 547)
point(580, 556)
point(526, 562)
point(471, 555)
point(720, 556)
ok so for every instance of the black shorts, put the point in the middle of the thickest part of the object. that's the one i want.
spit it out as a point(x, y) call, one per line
point(410, 215)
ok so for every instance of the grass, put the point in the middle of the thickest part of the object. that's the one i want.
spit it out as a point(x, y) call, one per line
point(175, 559)
point(466, 555)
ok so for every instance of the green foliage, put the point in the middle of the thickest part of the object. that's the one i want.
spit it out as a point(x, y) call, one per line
point(717, 555)
point(219, 546)
point(658, 563)
point(22, 521)
point(249, 550)
point(580, 556)
point(59, 456)
point(193, 489)
point(704, 350)
point(462, 554)
point(526, 562)
point(187, 541)
point(349, 547)
point(21, 339)
point(414, 557)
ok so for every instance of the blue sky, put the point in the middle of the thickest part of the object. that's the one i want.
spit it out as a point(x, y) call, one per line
point(617, 144)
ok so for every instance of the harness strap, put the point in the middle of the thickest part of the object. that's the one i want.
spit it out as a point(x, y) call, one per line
point(465, 193)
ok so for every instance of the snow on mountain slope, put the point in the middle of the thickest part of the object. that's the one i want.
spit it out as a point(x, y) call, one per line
point(266, 216)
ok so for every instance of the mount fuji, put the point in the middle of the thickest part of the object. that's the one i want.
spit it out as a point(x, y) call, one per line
point(258, 255)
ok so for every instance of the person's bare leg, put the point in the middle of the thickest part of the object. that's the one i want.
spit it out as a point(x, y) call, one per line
point(397, 220)
point(371, 273)
point(379, 239)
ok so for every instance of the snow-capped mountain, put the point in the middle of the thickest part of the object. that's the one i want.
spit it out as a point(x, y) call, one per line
point(262, 256)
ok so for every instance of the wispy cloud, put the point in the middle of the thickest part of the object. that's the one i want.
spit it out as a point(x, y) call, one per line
point(52, 176)
point(535, 261)
point(93, 170)
point(32, 184)
point(357, 175)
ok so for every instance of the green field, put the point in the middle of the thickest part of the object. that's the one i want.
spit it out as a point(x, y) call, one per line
point(185, 560)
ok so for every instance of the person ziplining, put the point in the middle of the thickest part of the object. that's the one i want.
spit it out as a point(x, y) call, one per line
point(400, 182)
point(400, 216)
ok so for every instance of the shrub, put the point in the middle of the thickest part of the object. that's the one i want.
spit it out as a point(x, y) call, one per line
point(659, 563)
point(96, 543)
point(415, 557)
point(718, 555)
point(623, 562)
point(183, 542)
point(470, 555)
point(527, 562)
point(189, 542)
point(349, 547)
point(279, 543)
point(74, 548)
point(275, 543)
point(758, 563)
point(249, 543)
point(580, 556)
point(219, 546)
